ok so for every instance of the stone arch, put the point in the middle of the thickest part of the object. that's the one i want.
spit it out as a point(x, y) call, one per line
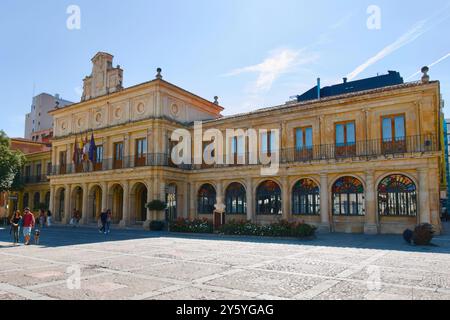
point(59, 204)
point(95, 200)
point(115, 201)
point(305, 197)
point(397, 195)
point(236, 198)
point(269, 198)
point(138, 200)
point(76, 201)
point(348, 196)
point(206, 198)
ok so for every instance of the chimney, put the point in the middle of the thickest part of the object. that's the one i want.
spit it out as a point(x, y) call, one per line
point(318, 88)
point(57, 96)
point(345, 80)
point(425, 77)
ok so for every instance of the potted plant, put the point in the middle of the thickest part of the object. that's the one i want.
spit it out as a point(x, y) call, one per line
point(423, 234)
point(156, 206)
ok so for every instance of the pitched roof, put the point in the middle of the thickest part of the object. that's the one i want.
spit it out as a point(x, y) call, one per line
point(390, 79)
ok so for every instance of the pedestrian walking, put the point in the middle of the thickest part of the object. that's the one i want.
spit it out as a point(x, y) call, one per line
point(16, 221)
point(28, 225)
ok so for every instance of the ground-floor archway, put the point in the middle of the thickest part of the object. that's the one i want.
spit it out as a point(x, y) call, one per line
point(115, 202)
point(77, 202)
point(59, 204)
point(172, 201)
point(95, 203)
point(138, 197)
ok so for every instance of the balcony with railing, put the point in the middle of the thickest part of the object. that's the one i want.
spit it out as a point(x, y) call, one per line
point(34, 179)
point(360, 150)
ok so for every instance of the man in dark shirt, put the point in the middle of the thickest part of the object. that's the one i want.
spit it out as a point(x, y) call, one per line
point(103, 219)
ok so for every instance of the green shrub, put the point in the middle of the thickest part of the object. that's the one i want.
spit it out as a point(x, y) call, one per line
point(156, 205)
point(157, 225)
point(278, 229)
point(191, 226)
point(423, 234)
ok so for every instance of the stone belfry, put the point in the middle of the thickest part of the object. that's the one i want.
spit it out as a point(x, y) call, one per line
point(104, 78)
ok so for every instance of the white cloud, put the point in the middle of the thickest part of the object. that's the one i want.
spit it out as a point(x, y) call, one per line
point(415, 32)
point(276, 64)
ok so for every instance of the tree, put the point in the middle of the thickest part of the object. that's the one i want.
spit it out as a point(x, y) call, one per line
point(11, 162)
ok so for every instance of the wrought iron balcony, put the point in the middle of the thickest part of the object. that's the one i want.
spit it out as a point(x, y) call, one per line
point(34, 179)
point(360, 150)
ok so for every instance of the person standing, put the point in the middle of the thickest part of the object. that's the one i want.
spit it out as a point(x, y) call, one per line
point(28, 225)
point(108, 220)
point(42, 218)
point(49, 218)
point(103, 219)
point(15, 225)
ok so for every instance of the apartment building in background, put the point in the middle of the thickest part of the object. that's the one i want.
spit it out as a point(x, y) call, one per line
point(38, 123)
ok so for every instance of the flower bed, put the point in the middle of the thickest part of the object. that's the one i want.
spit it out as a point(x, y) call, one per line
point(279, 229)
point(191, 226)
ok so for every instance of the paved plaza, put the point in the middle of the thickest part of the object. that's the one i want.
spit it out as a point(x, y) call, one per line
point(134, 264)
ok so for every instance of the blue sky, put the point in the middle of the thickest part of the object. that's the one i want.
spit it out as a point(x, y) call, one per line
point(251, 53)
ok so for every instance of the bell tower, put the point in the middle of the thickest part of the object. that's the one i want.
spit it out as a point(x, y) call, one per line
point(104, 79)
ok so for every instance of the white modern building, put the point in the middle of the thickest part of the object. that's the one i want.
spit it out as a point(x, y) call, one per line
point(38, 120)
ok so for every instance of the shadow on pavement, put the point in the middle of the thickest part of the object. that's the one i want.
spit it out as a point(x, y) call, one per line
point(60, 236)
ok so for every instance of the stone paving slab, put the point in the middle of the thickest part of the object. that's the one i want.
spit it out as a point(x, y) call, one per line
point(135, 264)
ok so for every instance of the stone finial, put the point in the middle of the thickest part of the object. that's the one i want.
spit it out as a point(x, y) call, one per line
point(158, 75)
point(216, 100)
point(425, 77)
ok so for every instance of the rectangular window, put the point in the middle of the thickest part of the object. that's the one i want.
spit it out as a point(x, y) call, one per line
point(99, 154)
point(38, 172)
point(268, 143)
point(62, 162)
point(303, 138)
point(49, 168)
point(118, 151)
point(98, 161)
point(118, 155)
point(345, 134)
point(393, 134)
point(27, 173)
point(141, 150)
point(345, 139)
point(238, 149)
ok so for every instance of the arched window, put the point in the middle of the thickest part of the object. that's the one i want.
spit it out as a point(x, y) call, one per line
point(306, 198)
point(268, 198)
point(236, 199)
point(26, 200)
point(348, 197)
point(206, 199)
point(397, 196)
point(36, 200)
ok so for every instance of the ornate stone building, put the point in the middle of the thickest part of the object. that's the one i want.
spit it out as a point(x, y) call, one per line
point(365, 161)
